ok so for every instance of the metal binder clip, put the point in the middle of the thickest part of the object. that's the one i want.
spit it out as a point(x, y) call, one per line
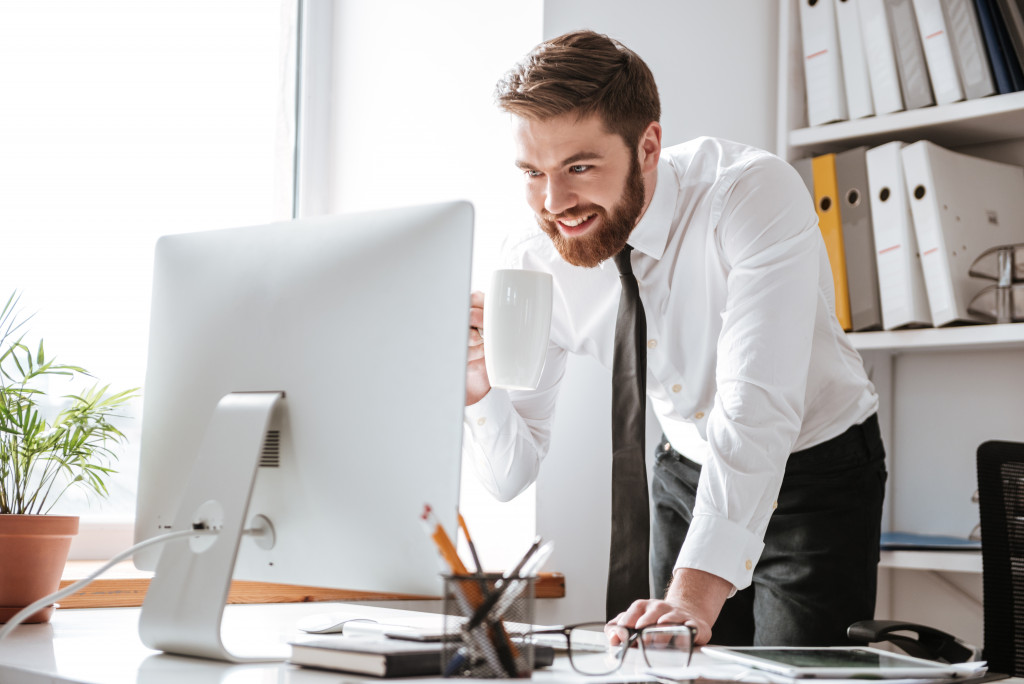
point(1004, 301)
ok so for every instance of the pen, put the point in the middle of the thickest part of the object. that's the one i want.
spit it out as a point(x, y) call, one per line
point(469, 541)
point(506, 582)
point(506, 591)
point(526, 556)
point(530, 569)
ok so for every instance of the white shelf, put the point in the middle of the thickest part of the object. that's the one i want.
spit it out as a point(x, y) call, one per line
point(939, 561)
point(965, 338)
point(984, 120)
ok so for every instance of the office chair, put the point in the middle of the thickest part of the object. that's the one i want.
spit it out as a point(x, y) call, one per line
point(1001, 502)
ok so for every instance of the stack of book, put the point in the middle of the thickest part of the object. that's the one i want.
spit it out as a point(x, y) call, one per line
point(381, 656)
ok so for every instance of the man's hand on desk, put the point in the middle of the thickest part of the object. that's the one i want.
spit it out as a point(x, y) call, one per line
point(695, 598)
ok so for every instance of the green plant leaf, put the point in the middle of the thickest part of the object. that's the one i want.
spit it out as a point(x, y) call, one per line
point(41, 460)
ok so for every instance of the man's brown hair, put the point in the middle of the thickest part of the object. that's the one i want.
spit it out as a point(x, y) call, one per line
point(587, 73)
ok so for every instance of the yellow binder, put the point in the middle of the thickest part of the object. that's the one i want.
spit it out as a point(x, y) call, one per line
point(826, 194)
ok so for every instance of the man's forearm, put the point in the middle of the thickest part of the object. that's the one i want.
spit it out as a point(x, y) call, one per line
point(699, 594)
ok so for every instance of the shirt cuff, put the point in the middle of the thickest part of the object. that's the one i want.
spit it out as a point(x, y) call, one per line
point(722, 548)
point(485, 417)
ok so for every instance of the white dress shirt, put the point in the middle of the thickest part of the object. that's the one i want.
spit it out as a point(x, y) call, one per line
point(743, 343)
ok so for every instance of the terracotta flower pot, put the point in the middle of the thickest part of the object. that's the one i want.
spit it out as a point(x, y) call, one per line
point(33, 552)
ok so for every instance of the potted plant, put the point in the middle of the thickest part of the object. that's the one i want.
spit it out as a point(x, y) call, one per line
point(48, 446)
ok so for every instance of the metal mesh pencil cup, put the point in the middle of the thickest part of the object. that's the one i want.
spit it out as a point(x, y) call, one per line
point(484, 618)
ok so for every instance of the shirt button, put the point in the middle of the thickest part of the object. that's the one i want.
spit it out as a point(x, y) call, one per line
point(698, 415)
point(481, 421)
point(651, 344)
point(677, 388)
point(775, 504)
point(749, 565)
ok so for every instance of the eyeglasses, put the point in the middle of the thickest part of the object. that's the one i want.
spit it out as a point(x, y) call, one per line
point(591, 651)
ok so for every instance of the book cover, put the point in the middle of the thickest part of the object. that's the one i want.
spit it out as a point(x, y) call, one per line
point(383, 657)
point(369, 655)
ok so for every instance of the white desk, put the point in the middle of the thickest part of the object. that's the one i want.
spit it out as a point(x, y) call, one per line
point(101, 646)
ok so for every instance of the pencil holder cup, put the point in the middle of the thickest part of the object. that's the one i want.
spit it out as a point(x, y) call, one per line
point(485, 617)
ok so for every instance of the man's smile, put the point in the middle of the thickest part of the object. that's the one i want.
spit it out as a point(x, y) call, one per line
point(576, 226)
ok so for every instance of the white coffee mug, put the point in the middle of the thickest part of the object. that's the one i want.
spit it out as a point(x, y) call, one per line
point(517, 327)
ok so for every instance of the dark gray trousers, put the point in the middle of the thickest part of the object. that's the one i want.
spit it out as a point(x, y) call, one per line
point(818, 571)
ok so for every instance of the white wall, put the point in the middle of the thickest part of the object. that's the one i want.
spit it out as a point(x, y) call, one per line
point(715, 63)
point(412, 121)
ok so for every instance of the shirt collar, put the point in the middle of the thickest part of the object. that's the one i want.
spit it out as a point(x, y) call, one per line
point(652, 232)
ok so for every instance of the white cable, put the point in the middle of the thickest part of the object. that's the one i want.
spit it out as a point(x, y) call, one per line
point(24, 613)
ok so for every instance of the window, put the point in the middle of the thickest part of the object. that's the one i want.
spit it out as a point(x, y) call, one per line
point(123, 121)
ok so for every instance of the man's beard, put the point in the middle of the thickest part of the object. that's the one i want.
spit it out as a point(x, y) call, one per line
point(607, 239)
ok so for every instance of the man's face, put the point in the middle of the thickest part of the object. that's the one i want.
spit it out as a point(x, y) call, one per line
point(584, 185)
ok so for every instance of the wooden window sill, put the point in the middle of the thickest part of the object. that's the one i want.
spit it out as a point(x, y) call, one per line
point(124, 586)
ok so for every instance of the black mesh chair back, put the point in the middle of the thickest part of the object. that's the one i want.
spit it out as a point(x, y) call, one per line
point(1001, 503)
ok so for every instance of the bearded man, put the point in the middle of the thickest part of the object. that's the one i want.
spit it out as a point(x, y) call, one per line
point(768, 534)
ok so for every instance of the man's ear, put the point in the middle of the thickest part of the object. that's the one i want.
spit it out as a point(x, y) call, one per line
point(650, 147)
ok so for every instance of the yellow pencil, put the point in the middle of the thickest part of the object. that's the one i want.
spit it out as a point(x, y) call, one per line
point(473, 595)
point(443, 542)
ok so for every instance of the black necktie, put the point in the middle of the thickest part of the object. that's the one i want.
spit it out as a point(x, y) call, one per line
point(628, 569)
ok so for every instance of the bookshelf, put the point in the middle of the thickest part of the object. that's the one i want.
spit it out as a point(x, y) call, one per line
point(943, 391)
point(971, 122)
point(964, 338)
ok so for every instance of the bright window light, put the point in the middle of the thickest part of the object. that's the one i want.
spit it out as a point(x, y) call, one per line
point(123, 121)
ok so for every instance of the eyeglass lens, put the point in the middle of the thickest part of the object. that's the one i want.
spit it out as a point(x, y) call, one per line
point(668, 646)
point(592, 652)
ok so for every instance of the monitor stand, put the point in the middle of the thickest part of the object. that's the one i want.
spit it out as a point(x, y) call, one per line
point(184, 606)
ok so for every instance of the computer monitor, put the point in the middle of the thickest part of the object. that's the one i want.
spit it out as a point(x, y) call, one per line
point(334, 347)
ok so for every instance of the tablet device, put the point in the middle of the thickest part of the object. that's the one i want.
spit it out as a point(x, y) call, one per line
point(833, 662)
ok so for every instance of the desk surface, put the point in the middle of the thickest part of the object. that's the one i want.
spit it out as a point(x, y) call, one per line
point(102, 646)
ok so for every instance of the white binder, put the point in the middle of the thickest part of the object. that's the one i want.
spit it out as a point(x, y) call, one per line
point(914, 82)
point(938, 51)
point(900, 278)
point(881, 58)
point(855, 64)
point(968, 48)
point(823, 71)
point(962, 206)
